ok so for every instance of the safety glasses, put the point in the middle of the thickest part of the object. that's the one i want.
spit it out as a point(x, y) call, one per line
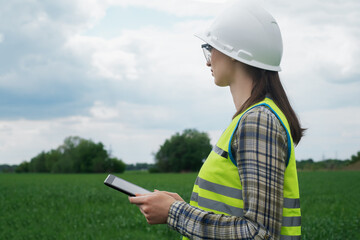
point(207, 52)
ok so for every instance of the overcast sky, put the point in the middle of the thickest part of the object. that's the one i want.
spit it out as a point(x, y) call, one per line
point(131, 73)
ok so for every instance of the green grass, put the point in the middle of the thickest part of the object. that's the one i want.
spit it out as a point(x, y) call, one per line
point(45, 206)
point(330, 204)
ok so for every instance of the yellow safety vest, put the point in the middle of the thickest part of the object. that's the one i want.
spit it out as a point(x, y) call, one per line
point(218, 187)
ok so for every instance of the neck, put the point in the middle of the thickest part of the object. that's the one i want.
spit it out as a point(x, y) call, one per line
point(241, 90)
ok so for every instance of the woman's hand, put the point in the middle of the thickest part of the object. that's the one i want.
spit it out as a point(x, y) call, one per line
point(155, 206)
point(174, 195)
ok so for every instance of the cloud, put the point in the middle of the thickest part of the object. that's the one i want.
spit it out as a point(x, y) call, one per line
point(122, 140)
point(38, 78)
point(335, 51)
point(321, 53)
point(332, 133)
point(153, 66)
point(48, 38)
point(137, 87)
point(178, 8)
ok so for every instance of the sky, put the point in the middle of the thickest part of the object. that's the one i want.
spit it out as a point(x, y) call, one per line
point(131, 73)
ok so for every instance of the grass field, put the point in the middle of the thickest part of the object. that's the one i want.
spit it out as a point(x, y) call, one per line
point(44, 206)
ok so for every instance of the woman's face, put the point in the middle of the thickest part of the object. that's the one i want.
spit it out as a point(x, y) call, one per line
point(222, 68)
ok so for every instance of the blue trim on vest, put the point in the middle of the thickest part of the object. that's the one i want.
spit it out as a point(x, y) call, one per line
point(287, 133)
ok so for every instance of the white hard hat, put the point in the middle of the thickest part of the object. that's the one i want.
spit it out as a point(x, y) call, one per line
point(247, 33)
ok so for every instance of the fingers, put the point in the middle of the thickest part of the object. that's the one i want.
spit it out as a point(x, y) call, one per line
point(172, 194)
point(154, 206)
point(143, 203)
point(138, 199)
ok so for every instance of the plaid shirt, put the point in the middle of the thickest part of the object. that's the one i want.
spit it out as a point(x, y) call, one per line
point(260, 148)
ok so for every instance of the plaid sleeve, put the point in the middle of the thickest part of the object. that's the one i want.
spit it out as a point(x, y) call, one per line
point(259, 147)
point(195, 223)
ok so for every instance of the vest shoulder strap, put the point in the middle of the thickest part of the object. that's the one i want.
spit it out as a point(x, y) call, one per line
point(278, 113)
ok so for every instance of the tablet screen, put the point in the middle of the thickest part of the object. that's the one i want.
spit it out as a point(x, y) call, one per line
point(124, 186)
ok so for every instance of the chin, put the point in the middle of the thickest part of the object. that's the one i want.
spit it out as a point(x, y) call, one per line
point(220, 85)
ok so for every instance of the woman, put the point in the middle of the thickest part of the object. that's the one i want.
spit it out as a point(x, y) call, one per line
point(247, 188)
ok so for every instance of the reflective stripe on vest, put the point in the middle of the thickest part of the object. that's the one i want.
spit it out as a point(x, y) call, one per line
point(218, 187)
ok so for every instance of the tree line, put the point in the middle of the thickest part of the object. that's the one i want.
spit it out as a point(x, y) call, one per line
point(75, 155)
point(327, 164)
point(182, 152)
point(139, 166)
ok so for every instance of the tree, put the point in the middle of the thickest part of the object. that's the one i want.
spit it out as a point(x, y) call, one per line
point(116, 165)
point(6, 168)
point(355, 158)
point(183, 152)
point(75, 155)
point(38, 163)
point(23, 167)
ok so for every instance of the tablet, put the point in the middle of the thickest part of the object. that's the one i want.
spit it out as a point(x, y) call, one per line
point(124, 186)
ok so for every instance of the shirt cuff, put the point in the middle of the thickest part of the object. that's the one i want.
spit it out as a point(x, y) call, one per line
point(264, 234)
point(175, 213)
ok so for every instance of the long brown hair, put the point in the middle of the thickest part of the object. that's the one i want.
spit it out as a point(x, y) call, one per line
point(268, 83)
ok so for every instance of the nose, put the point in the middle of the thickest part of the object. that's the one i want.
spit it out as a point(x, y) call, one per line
point(208, 64)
